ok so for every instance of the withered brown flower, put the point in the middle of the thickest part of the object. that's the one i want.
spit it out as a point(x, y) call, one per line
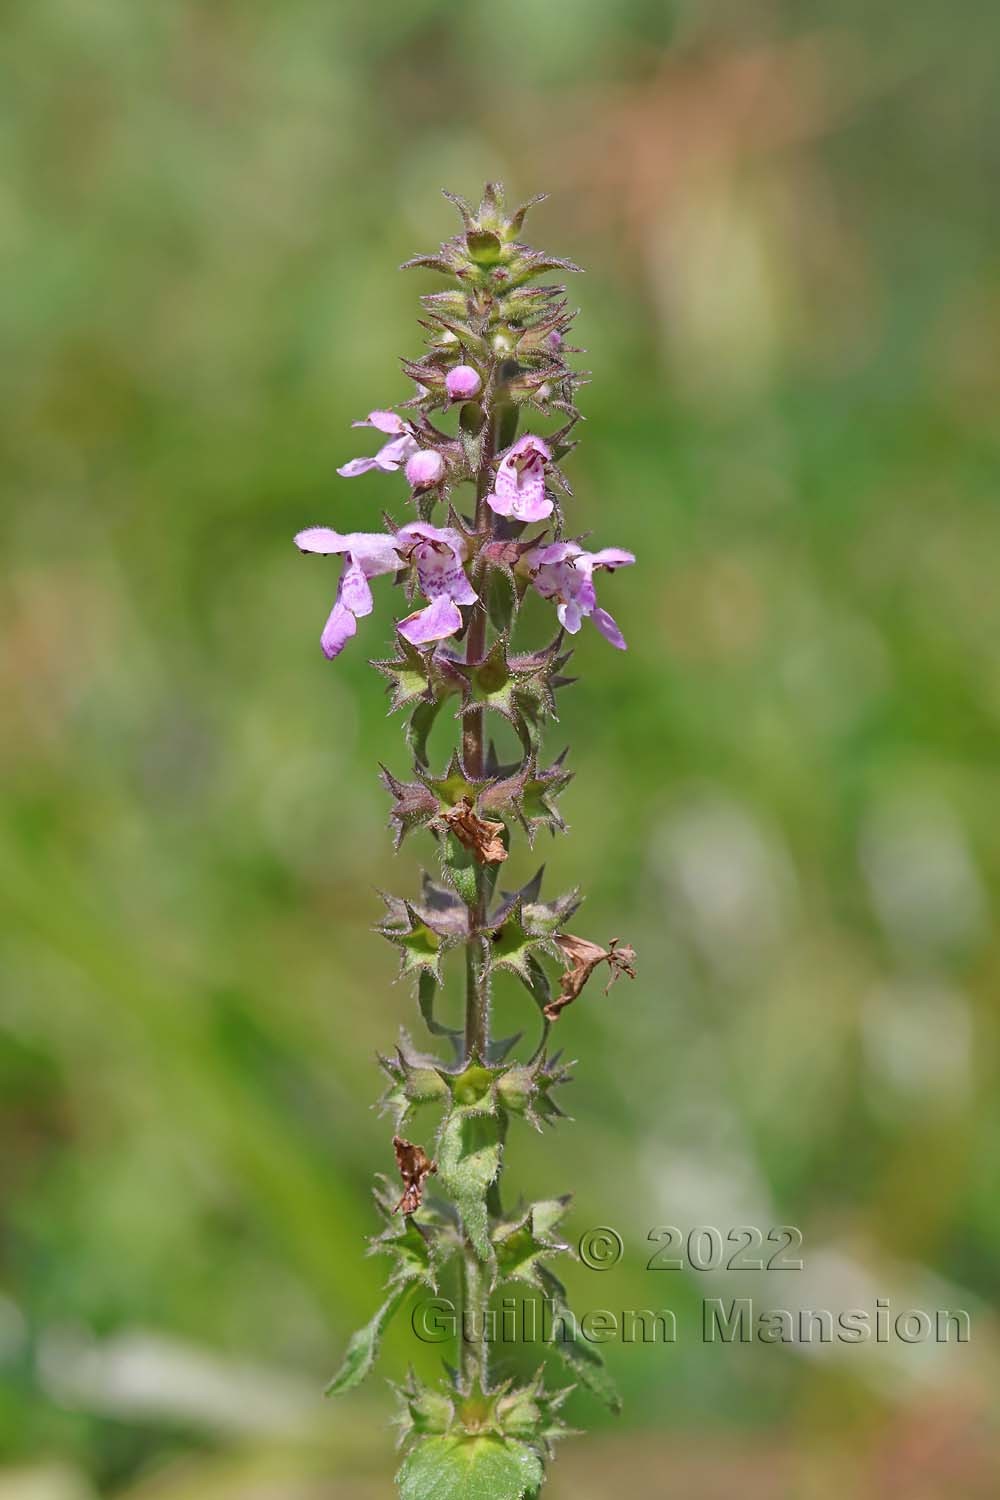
point(582, 958)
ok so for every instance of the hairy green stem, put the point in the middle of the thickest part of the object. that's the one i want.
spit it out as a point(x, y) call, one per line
point(472, 1338)
point(475, 1296)
point(477, 1011)
point(477, 1021)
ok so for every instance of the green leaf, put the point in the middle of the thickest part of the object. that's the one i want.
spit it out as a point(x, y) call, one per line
point(468, 1159)
point(537, 983)
point(472, 446)
point(471, 418)
point(427, 988)
point(363, 1347)
point(501, 599)
point(529, 721)
point(509, 415)
point(582, 1358)
point(456, 1467)
point(419, 728)
point(460, 867)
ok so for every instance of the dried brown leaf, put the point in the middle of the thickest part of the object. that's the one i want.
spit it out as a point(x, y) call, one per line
point(481, 836)
point(414, 1167)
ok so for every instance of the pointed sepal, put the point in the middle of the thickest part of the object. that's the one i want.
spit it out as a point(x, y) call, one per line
point(413, 805)
point(523, 1243)
point(527, 1089)
point(424, 1409)
point(420, 944)
point(414, 1079)
point(410, 674)
point(416, 1249)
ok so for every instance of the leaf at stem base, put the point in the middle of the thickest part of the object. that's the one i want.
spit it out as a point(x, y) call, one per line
point(453, 1467)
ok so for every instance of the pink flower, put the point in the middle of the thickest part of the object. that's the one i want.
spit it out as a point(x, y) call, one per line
point(463, 382)
point(366, 554)
point(519, 488)
point(425, 468)
point(565, 572)
point(438, 554)
point(393, 454)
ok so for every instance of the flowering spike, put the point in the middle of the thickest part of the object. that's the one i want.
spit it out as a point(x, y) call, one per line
point(496, 346)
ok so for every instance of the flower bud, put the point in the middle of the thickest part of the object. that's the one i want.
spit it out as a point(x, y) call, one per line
point(463, 382)
point(425, 468)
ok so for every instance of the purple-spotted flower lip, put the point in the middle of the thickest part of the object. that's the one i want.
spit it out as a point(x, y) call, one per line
point(564, 571)
point(519, 487)
point(436, 553)
point(401, 446)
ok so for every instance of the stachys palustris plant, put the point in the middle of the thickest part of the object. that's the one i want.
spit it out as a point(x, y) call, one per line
point(498, 353)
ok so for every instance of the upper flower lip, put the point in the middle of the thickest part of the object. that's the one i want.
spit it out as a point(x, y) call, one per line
point(401, 446)
point(424, 531)
point(375, 551)
point(384, 421)
point(587, 562)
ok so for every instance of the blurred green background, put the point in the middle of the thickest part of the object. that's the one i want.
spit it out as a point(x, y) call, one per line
point(787, 791)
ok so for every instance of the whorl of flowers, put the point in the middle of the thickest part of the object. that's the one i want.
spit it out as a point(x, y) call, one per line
point(492, 521)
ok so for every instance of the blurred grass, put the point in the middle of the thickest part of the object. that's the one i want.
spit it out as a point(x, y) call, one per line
point(786, 790)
